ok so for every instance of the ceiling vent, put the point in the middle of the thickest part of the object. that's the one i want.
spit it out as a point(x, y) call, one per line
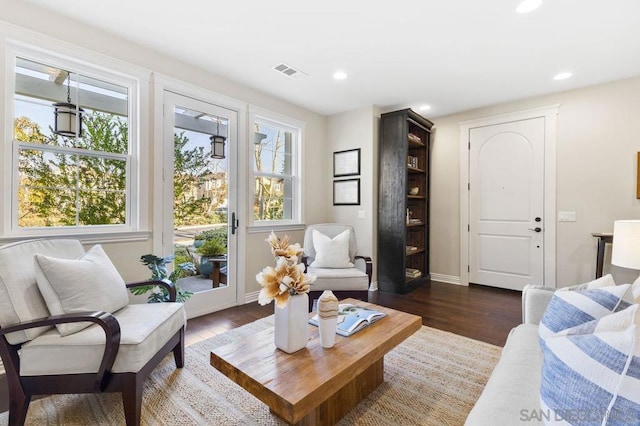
point(289, 71)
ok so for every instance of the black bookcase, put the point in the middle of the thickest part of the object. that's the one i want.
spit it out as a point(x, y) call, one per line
point(403, 201)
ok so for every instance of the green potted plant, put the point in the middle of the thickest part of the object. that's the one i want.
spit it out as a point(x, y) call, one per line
point(159, 272)
point(211, 248)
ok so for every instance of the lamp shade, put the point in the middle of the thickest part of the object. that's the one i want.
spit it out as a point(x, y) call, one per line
point(626, 244)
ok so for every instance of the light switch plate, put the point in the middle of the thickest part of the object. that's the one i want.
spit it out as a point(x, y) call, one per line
point(566, 216)
point(362, 214)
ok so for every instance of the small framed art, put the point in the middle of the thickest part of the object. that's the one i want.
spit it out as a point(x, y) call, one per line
point(346, 163)
point(346, 192)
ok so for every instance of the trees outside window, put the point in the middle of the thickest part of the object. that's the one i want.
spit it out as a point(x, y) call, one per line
point(275, 171)
point(67, 180)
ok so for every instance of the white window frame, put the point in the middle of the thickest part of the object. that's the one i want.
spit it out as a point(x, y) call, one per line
point(136, 227)
point(295, 126)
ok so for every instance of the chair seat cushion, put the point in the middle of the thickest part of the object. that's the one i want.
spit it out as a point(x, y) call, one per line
point(144, 329)
point(339, 279)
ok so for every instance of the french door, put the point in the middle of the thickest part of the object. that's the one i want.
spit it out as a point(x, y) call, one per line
point(199, 200)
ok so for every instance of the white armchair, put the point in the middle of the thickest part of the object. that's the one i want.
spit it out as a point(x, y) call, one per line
point(66, 326)
point(332, 255)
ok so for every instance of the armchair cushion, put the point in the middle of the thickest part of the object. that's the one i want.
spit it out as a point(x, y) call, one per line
point(20, 298)
point(330, 230)
point(331, 252)
point(351, 279)
point(89, 283)
point(144, 328)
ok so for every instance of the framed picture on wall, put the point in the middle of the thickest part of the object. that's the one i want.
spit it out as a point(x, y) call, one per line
point(346, 163)
point(346, 192)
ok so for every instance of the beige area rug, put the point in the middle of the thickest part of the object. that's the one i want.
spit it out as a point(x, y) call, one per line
point(433, 378)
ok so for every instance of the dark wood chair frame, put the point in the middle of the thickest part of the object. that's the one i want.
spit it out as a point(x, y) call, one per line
point(343, 294)
point(21, 389)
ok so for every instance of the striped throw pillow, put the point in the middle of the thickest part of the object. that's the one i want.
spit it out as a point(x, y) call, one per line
point(571, 308)
point(591, 373)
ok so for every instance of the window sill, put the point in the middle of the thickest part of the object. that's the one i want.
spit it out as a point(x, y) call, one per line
point(86, 238)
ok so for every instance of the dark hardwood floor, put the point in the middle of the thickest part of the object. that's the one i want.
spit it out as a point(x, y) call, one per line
point(479, 312)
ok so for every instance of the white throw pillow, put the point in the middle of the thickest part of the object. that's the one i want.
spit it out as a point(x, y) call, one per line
point(89, 283)
point(331, 252)
point(635, 288)
point(605, 281)
point(590, 372)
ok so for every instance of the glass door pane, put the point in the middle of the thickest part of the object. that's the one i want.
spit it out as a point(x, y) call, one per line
point(201, 203)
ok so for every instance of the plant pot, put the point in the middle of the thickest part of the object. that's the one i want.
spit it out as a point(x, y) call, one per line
point(206, 267)
point(291, 329)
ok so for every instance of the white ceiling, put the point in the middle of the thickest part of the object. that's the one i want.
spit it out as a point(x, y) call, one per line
point(451, 54)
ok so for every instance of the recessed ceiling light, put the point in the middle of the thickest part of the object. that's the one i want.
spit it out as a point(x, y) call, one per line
point(562, 76)
point(339, 75)
point(528, 6)
point(425, 107)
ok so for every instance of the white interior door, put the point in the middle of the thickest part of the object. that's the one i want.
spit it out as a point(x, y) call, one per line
point(506, 204)
point(199, 198)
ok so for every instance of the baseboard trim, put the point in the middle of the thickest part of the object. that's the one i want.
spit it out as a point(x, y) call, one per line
point(251, 297)
point(447, 279)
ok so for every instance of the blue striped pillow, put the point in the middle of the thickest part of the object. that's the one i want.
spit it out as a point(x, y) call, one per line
point(591, 373)
point(571, 308)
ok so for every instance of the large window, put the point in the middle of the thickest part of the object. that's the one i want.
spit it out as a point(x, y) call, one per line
point(276, 172)
point(72, 148)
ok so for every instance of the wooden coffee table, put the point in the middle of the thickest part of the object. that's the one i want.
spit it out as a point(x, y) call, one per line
point(315, 386)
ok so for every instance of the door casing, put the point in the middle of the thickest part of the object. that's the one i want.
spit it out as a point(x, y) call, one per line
point(549, 113)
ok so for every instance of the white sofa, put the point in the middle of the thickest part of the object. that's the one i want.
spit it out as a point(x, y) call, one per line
point(512, 394)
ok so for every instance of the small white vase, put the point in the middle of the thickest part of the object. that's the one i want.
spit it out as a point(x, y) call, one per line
point(291, 324)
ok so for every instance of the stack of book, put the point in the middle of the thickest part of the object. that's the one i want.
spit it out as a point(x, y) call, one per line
point(415, 221)
point(413, 273)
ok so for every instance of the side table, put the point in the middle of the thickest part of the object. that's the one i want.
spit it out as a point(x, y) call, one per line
point(216, 274)
point(603, 238)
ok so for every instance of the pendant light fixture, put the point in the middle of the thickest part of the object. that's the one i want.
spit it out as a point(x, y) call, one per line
point(217, 142)
point(65, 116)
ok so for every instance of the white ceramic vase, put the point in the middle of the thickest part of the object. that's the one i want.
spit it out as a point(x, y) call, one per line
point(291, 324)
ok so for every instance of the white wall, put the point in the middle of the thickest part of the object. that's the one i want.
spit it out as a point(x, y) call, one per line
point(20, 16)
point(597, 140)
point(351, 130)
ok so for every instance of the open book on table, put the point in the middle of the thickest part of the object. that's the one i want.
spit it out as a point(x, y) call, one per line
point(352, 318)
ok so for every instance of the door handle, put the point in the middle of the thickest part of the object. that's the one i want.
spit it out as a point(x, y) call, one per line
point(234, 223)
point(536, 229)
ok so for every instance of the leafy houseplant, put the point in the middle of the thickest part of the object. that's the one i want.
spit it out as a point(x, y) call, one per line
point(159, 272)
point(211, 248)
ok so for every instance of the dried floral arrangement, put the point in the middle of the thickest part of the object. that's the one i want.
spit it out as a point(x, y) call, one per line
point(288, 277)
